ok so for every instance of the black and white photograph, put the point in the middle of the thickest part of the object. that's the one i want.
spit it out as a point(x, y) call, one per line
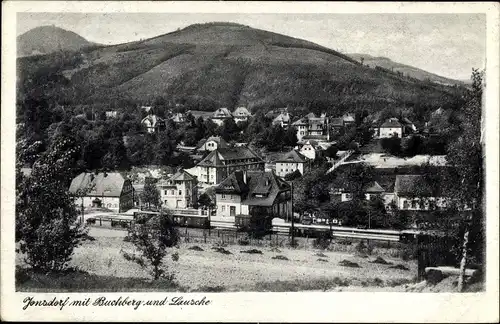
point(199, 154)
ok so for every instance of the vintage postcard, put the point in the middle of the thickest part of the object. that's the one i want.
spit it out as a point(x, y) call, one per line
point(249, 161)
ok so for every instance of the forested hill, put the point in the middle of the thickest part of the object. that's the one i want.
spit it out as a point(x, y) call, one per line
point(206, 66)
point(49, 39)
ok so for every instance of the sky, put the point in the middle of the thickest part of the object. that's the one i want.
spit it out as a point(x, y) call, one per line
point(449, 45)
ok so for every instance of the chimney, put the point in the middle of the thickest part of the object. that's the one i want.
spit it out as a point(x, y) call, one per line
point(245, 176)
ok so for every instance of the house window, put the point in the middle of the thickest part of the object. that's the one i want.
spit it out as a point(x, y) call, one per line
point(223, 196)
point(180, 192)
point(406, 205)
point(165, 192)
point(348, 196)
point(414, 204)
point(172, 192)
point(223, 208)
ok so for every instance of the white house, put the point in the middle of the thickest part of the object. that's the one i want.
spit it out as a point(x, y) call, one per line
point(391, 127)
point(221, 162)
point(212, 143)
point(153, 123)
point(110, 190)
point(178, 191)
point(291, 162)
point(221, 115)
point(312, 127)
point(241, 114)
point(283, 119)
point(311, 150)
point(247, 193)
point(415, 192)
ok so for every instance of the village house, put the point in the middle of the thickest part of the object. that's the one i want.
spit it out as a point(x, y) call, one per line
point(241, 114)
point(312, 127)
point(153, 123)
point(415, 192)
point(291, 162)
point(348, 119)
point(212, 143)
point(336, 124)
point(178, 118)
point(244, 194)
point(221, 115)
point(312, 150)
point(110, 190)
point(283, 119)
point(370, 190)
point(221, 162)
point(391, 127)
point(178, 191)
point(111, 114)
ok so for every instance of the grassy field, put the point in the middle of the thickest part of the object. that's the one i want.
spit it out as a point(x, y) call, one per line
point(103, 268)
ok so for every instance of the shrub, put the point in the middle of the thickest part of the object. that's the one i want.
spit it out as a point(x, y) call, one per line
point(378, 282)
point(434, 276)
point(399, 267)
point(350, 264)
point(322, 242)
point(196, 248)
point(252, 251)
point(152, 240)
point(243, 241)
point(380, 260)
point(344, 242)
point(363, 248)
point(280, 257)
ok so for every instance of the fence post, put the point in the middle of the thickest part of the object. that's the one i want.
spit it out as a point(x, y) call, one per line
point(205, 236)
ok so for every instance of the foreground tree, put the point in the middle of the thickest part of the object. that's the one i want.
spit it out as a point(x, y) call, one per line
point(466, 154)
point(45, 211)
point(150, 195)
point(153, 238)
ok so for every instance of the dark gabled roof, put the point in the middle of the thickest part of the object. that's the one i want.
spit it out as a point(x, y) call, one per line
point(292, 156)
point(413, 185)
point(231, 153)
point(212, 159)
point(266, 184)
point(102, 184)
point(391, 123)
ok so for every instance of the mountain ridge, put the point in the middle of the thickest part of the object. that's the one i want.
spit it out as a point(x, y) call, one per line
point(221, 64)
point(409, 70)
